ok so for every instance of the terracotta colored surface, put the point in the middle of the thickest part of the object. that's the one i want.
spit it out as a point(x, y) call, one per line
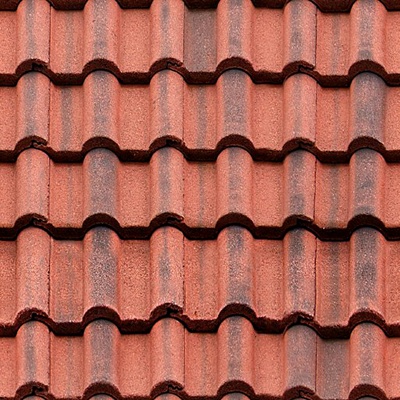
point(24, 38)
point(134, 121)
point(199, 365)
point(135, 198)
point(366, 37)
point(92, 40)
point(331, 286)
point(199, 199)
point(269, 43)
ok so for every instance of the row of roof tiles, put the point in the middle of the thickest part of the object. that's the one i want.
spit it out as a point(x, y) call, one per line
point(198, 365)
point(334, 287)
point(236, 34)
point(200, 197)
point(323, 5)
point(134, 120)
point(331, 286)
point(164, 396)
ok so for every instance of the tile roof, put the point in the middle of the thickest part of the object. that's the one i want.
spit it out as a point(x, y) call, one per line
point(270, 44)
point(134, 121)
point(199, 365)
point(330, 286)
point(199, 199)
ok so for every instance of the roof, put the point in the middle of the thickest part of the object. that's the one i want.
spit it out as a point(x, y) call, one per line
point(199, 199)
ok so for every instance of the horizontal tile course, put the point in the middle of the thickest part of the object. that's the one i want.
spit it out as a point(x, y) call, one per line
point(139, 196)
point(200, 198)
point(331, 286)
point(194, 365)
point(134, 121)
point(102, 286)
point(234, 35)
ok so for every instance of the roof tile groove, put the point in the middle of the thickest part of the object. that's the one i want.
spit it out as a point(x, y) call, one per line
point(235, 35)
point(194, 365)
point(134, 121)
point(330, 286)
point(199, 199)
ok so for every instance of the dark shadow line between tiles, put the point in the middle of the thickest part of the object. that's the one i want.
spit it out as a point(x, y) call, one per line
point(262, 325)
point(200, 77)
point(297, 391)
point(364, 390)
point(196, 78)
point(144, 77)
point(33, 388)
point(325, 6)
point(200, 233)
point(200, 155)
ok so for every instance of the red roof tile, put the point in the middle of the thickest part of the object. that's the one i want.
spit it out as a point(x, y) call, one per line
point(234, 35)
point(136, 120)
point(331, 286)
point(198, 365)
point(134, 198)
point(199, 199)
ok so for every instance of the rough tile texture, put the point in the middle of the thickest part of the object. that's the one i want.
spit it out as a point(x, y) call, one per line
point(270, 44)
point(199, 199)
point(330, 286)
point(198, 365)
point(134, 121)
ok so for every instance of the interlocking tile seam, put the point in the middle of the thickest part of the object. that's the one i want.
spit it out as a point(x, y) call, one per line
point(329, 286)
point(139, 120)
point(135, 199)
point(164, 396)
point(203, 56)
point(197, 365)
point(323, 5)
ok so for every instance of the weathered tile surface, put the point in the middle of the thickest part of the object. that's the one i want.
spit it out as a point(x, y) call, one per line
point(199, 199)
